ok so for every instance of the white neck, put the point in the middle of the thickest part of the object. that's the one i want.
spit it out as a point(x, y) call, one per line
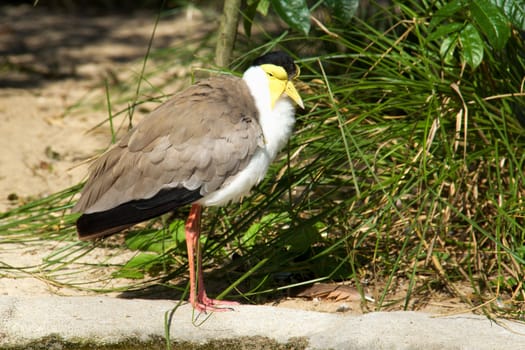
point(276, 123)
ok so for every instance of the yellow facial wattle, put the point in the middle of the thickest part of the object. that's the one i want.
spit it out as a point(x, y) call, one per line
point(279, 84)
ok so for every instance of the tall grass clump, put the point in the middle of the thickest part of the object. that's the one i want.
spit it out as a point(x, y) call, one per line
point(405, 176)
point(409, 163)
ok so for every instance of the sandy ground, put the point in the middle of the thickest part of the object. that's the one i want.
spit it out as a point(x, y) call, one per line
point(53, 64)
point(53, 68)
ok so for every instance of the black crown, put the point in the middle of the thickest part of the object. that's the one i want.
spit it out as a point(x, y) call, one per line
point(278, 58)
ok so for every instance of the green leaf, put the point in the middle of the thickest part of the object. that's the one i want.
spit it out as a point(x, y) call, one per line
point(447, 48)
point(294, 12)
point(249, 16)
point(141, 240)
point(344, 10)
point(472, 45)
point(157, 240)
point(514, 10)
point(263, 6)
point(491, 20)
point(521, 251)
point(136, 266)
point(305, 235)
point(178, 232)
point(447, 11)
point(445, 30)
point(252, 7)
point(250, 236)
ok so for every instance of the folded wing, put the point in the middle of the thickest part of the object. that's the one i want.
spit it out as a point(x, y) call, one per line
point(184, 150)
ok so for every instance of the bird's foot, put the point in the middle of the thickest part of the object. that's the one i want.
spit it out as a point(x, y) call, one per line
point(205, 304)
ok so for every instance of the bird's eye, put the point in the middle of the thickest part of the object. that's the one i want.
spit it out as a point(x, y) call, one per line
point(270, 74)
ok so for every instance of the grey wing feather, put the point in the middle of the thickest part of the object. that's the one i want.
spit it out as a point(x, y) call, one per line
point(196, 140)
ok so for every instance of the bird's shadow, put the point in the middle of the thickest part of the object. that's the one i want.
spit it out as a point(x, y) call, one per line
point(168, 290)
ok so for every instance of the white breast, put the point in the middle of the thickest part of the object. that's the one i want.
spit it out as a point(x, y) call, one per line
point(277, 125)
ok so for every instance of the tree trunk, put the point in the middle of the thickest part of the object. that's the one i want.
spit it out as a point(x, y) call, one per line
point(227, 32)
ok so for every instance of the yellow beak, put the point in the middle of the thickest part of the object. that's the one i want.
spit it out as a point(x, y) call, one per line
point(291, 91)
point(279, 87)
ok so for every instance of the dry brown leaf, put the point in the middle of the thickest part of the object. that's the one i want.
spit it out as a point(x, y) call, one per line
point(331, 291)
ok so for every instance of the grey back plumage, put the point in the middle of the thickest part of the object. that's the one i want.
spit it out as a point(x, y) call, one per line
point(196, 140)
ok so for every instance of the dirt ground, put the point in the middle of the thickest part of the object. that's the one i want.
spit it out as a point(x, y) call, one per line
point(52, 72)
point(52, 64)
point(53, 67)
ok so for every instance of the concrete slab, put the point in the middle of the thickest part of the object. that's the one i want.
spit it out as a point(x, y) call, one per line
point(76, 321)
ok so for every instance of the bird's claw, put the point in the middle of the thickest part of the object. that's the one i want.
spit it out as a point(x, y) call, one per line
point(205, 304)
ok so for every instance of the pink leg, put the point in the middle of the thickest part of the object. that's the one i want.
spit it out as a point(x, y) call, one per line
point(199, 299)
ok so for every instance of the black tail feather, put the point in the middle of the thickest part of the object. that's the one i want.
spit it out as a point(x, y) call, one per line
point(108, 222)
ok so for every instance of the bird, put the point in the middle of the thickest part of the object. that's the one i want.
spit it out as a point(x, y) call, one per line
point(208, 145)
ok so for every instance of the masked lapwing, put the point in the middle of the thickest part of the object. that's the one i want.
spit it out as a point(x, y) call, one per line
point(206, 146)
